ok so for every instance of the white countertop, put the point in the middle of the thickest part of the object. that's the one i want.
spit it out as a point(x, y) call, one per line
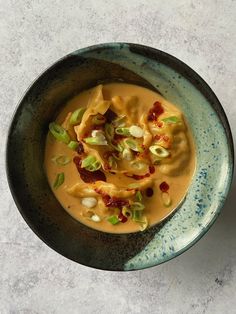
point(34, 278)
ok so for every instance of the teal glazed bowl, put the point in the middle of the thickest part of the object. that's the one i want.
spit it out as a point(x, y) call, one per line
point(140, 65)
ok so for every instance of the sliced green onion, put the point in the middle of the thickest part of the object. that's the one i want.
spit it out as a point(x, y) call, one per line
point(133, 145)
point(113, 220)
point(139, 196)
point(126, 212)
point(89, 160)
point(61, 160)
point(166, 199)
point(136, 131)
point(143, 223)
point(98, 119)
point(119, 122)
point(119, 147)
point(59, 180)
point(122, 131)
point(94, 166)
point(137, 206)
point(95, 141)
point(139, 165)
point(77, 116)
point(134, 186)
point(73, 145)
point(112, 162)
point(137, 214)
point(109, 131)
point(172, 119)
point(116, 157)
point(159, 151)
point(127, 154)
point(59, 133)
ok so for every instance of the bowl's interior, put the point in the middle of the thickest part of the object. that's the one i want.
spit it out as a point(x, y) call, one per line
point(143, 66)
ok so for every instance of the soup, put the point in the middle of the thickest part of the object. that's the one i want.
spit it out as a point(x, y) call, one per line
point(119, 157)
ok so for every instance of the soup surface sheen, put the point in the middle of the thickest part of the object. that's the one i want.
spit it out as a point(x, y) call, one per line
point(124, 162)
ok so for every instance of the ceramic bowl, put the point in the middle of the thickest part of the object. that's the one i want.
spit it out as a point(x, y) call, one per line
point(140, 65)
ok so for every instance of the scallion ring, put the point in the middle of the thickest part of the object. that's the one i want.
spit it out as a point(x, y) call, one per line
point(59, 133)
point(77, 116)
point(159, 151)
point(59, 180)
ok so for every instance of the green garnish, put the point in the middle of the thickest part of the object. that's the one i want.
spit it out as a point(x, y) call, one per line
point(159, 151)
point(59, 180)
point(127, 154)
point(113, 220)
point(133, 145)
point(139, 196)
point(90, 163)
point(122, 131)
point(127, 212)
point(133, 185)
point(172, 119)
point(59, 133)
point(119, 122)
point(137, 206)
point(77, 116)
point(61, 160)
point(112, 162)
point(137, 214)
point(94, 167)
point(73, 145)
point(95, 140)
point(98, 119)
point(109, 131)
point(89, 160)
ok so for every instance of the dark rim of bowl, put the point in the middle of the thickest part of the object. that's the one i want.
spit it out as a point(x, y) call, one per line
point(187, 72)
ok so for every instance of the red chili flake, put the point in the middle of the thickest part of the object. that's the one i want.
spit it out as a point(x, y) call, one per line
point(88, 176)
point(155, 111)
point(122, 218)
point(157, 137)
point(80, 149)
point(151, 169)
point(149, 192)
point(112, 201)
point(159, 124)
point(164, 187)
point(166, 138)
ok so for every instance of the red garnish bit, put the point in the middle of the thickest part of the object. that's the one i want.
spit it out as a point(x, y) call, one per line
point(122, 218)
point(155, 111)
point(164, 187)
point(88, 176)
point(80, 149)
point(112, 201)
point(149, 192)
point(159, 124)
point(151, 169)
point(157, 137)
point(166, 138)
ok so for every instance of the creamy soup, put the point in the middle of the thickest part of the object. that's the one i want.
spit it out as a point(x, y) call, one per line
point(119, 157)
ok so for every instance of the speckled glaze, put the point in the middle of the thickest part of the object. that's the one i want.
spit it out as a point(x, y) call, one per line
point(139, 65)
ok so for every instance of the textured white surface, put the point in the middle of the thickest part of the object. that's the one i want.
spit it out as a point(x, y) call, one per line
point(35, 279)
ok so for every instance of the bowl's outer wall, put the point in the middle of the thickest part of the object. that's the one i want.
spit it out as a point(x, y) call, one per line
point(25, 154)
